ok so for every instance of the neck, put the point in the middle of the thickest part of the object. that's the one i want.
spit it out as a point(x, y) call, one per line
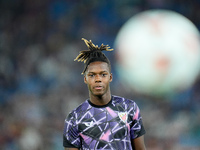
point(100, 99)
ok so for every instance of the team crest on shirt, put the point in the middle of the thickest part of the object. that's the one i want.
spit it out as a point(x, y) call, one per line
point(123, 116)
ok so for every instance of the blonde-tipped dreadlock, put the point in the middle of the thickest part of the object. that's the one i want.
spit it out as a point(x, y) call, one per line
point(84, 55)
point(94, 53)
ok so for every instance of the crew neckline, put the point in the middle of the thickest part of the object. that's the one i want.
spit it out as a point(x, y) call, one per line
point(100, 106)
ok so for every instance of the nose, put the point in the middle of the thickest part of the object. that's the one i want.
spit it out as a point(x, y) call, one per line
point(98, 78)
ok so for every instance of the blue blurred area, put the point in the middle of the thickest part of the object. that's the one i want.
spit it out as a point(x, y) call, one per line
point(40, 82)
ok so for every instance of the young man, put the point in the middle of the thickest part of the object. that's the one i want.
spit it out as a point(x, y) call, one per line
point(104, 121)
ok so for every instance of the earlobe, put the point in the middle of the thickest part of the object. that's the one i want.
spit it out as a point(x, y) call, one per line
point(111, 77)
point(85, 81)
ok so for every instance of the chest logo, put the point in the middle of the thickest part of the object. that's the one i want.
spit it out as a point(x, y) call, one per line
point(123, 116)
point(89, 124)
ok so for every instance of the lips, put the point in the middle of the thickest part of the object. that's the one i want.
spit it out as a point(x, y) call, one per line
point(98, 87)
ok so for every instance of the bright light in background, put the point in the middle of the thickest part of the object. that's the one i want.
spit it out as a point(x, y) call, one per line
point(158, 52)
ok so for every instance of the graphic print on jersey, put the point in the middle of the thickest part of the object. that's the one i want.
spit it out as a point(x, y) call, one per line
point(109, 127)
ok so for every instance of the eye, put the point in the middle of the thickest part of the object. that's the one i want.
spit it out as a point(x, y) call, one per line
point(104, 74)
point(91, 75)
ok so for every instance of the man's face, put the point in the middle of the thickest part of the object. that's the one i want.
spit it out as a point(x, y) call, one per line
point(98, 77)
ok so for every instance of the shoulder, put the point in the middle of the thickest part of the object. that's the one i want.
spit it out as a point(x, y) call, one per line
point(119, 99)
point(81, 109)
point(124, 104)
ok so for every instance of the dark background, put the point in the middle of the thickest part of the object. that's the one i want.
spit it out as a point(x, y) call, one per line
point(40, 82)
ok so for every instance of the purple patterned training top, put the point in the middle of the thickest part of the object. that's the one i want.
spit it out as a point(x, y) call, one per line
point(108, 127)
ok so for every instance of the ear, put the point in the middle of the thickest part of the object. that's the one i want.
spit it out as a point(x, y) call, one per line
point(111, 77)
point(85, 80)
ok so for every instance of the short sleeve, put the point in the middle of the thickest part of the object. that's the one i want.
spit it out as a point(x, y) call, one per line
point(71, 136)
point(137, 128)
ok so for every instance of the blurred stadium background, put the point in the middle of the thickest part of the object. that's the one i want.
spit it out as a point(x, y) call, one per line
point(40, 83)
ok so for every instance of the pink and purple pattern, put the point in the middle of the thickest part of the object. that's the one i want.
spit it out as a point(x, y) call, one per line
point(108, 127)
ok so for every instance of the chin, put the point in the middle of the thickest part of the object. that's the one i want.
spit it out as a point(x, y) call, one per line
point(98, 94)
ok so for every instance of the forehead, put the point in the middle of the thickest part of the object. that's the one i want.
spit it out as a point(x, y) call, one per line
point(97, 66)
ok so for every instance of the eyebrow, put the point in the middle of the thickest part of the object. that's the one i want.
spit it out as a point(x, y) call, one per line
point(99, 72)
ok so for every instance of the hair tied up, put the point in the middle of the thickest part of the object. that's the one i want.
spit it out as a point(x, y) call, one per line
point(85, 54)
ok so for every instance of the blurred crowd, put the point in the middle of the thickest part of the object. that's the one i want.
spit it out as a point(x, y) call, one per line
point(40, 82)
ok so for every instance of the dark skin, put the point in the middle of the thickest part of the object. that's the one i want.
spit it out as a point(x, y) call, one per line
point(98, 78)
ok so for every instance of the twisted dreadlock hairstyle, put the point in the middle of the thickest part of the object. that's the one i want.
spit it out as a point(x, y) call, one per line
point(94, 53)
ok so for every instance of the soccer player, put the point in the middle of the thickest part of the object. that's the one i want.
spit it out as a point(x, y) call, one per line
point(104, 121)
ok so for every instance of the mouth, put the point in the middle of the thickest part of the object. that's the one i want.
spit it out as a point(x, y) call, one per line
point(98, 87)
